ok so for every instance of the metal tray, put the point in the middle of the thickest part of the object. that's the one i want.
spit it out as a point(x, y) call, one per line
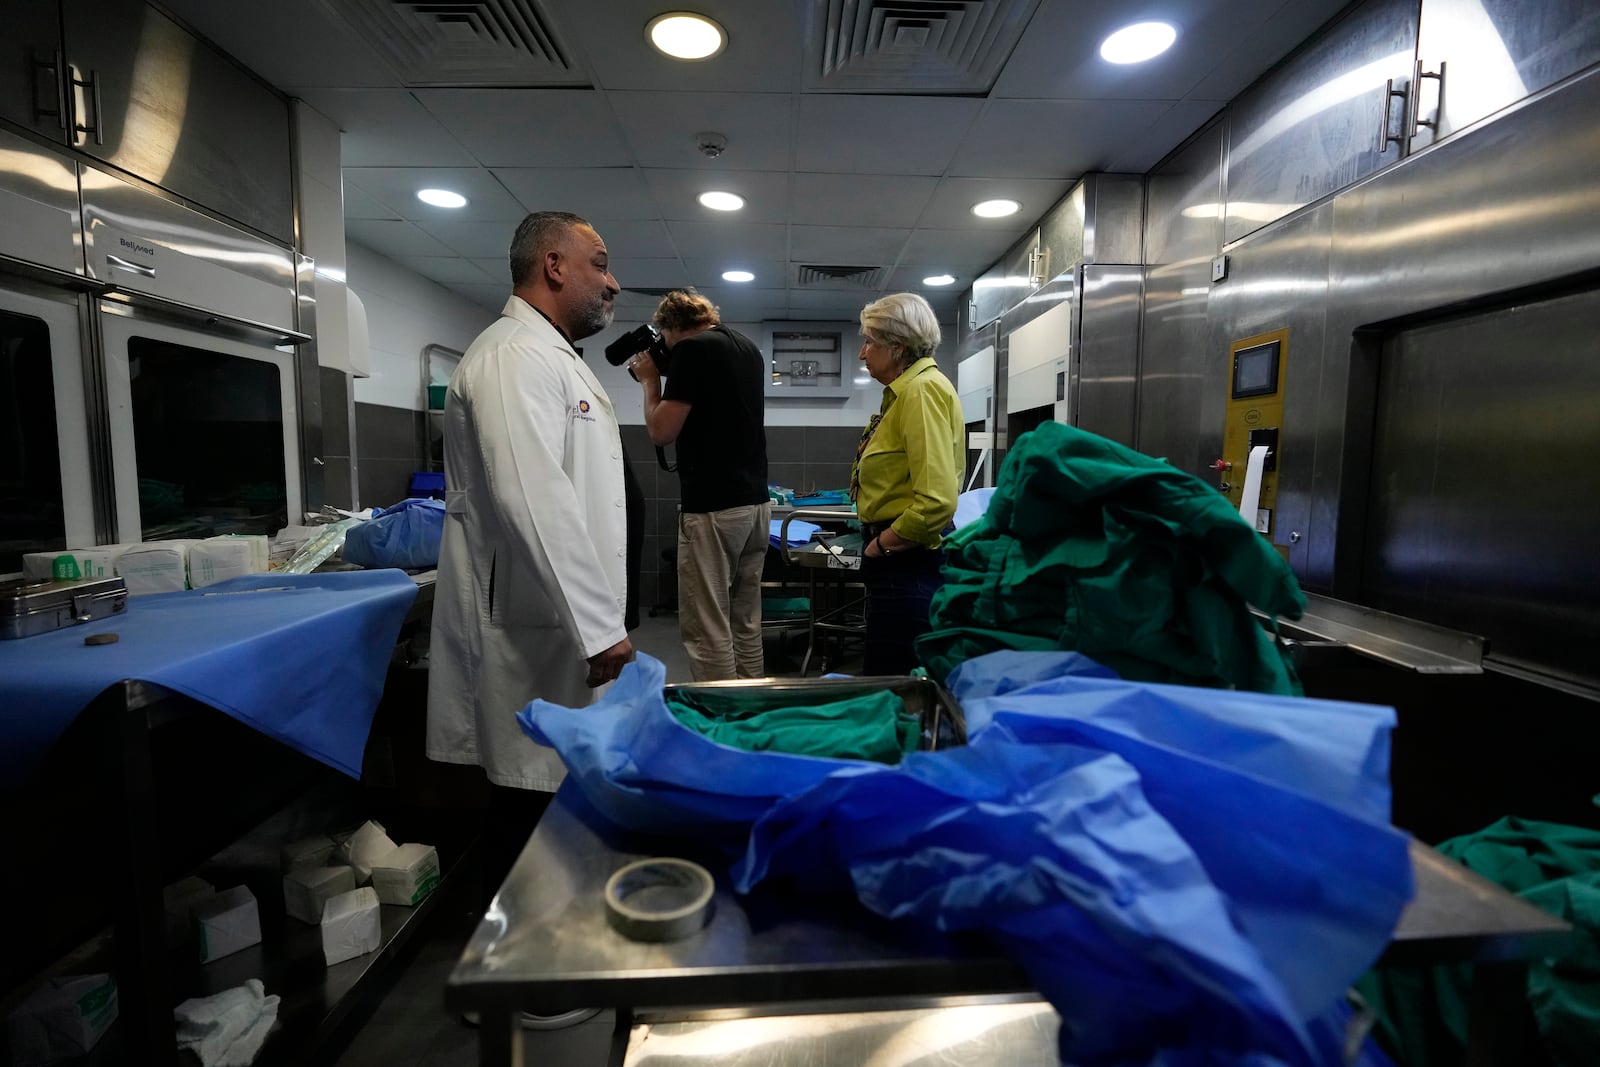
point(943, 724)
point(30, 606)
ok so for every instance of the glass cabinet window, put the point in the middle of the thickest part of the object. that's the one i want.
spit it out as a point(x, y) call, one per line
point(32, 515)
point(208, 438)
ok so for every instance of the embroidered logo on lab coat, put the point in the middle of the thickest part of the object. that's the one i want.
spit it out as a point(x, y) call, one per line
point(581, 412)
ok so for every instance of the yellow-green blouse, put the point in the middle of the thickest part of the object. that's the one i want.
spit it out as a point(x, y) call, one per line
point(910, 469)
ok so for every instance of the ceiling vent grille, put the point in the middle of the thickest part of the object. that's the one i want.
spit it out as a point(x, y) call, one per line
point(809, 276)
point(909, 47)
point(462, 43)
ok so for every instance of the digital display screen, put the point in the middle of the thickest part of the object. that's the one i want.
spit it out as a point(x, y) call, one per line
point(1255, 371)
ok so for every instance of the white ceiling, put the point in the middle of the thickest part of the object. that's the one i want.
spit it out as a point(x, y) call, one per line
point(881, 175)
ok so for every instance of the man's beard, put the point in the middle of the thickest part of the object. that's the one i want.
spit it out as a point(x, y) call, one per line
point(594, 317)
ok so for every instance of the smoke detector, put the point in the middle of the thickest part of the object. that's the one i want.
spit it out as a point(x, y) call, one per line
point(710, 144)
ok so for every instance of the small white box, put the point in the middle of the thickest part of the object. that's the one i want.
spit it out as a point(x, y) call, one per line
point(313, 851)
point(227, 923)
point(407, 875)
point(156, 566)
point(365, 847)
point(227, 556)
point(63, 1018)
point(305, 891)
point(97, 562)
point(351, 925)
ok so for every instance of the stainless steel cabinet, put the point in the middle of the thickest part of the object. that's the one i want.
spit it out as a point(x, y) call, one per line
point(1331, 115)
point(1477, 57)
point(1009, 282)
point(122, 82)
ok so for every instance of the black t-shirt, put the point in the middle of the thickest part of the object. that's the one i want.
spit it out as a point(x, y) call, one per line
point(722, 449)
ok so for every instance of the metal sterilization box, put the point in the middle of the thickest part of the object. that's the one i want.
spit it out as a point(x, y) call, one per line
point(31, 606)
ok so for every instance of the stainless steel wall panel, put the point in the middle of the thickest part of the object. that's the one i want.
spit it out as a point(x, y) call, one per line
point(1497, 52)
point(1484, 513)
point(1311, 127)
point(1272, 284)
point(1108, 351)
point(1183, 230)
point(196, 260)
point(39, 206)
point(1114, 219)
point(1061, 232)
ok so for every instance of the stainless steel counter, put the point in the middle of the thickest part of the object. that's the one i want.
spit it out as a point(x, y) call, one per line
point(545, 945)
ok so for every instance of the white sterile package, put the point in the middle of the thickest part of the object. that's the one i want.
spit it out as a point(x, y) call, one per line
point(227, 1029)
point(406, 875)
point(351, 925)
point(313, 851)
point(62, 1018)
point(364, 847)
point(227, 923)
point(99, 561)
point(156, 566)
point(307, 889)
point(226, 556)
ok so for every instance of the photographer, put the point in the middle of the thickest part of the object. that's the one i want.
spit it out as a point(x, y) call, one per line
point(713, 408)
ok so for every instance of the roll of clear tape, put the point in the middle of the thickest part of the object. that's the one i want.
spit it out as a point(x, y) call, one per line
point(661, 899)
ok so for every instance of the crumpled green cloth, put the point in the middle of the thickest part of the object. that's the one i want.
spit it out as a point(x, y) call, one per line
point(1423, 1012)
point(873, 727)
point(1092, 547)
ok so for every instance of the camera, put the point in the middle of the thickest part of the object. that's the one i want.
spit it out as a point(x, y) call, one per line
point(643, 339)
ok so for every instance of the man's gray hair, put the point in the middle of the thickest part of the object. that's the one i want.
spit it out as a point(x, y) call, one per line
point(537, 234)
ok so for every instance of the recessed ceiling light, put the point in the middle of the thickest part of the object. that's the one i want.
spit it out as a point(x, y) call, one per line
point(938, 279)
point(996, 209)
point(685, 35)
point(738, 276)
point(442, 198)
point(1137, 43)
point(718, 201)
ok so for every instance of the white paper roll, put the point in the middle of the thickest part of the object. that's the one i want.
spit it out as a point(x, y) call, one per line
point(1251, 502)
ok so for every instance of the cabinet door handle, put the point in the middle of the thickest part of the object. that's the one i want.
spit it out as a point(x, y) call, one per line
point(118, 263)
point(53, 68)
point(93, 87)
point(1384, 136)
point(1415, 120)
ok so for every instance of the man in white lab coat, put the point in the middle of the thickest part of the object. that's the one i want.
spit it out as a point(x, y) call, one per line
point(532, 569)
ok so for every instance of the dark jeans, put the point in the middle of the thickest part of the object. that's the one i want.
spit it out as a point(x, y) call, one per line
point(899, 588)
point(508, 823)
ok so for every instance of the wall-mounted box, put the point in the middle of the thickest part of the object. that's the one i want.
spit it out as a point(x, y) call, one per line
point(1039, 360)
point(812, 359)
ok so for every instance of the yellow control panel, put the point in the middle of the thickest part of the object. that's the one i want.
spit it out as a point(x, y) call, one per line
point(1254, 419)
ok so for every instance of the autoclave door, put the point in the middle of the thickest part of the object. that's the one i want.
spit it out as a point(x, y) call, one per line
point(46, 491)
point(204, 429)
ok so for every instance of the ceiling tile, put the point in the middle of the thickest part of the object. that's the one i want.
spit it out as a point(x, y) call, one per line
point(881, 134)
point(397, 187)
point(865, 245)
point(530, 127)
point(859, 199)
point(360, 205)
point(951, 204)
point(495, 267)
point(397, 240)
point(387, 128)
point(703, 239)
point(766, 193)
point(612, 192)
point(650, 273)
point(762, 52)
point(476, 240)
point(1140, 154)
point(448, 270)
point(707, 273)
point(491, 298)
point(1051, 138)
point(633, 239)
point(662, 128)
point(952, 248)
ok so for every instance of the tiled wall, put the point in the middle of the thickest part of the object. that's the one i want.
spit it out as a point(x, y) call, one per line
point(802, 458)
point(391, 449)
point(337, 442)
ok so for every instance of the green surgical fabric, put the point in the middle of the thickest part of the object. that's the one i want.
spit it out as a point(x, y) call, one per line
point(873, 727)
point(1091, 547)
point(1423, 1013)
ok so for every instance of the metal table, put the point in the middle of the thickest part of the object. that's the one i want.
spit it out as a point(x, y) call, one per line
point(545, 945)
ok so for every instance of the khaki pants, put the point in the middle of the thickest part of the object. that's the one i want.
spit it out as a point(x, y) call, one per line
point(720, 554)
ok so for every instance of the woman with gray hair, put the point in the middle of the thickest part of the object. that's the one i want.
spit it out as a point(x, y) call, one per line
point(906, 477)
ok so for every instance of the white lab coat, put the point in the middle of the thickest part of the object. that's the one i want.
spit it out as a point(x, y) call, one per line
point(532, 567)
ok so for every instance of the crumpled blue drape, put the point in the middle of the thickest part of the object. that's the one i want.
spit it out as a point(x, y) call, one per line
point(1191, 876)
